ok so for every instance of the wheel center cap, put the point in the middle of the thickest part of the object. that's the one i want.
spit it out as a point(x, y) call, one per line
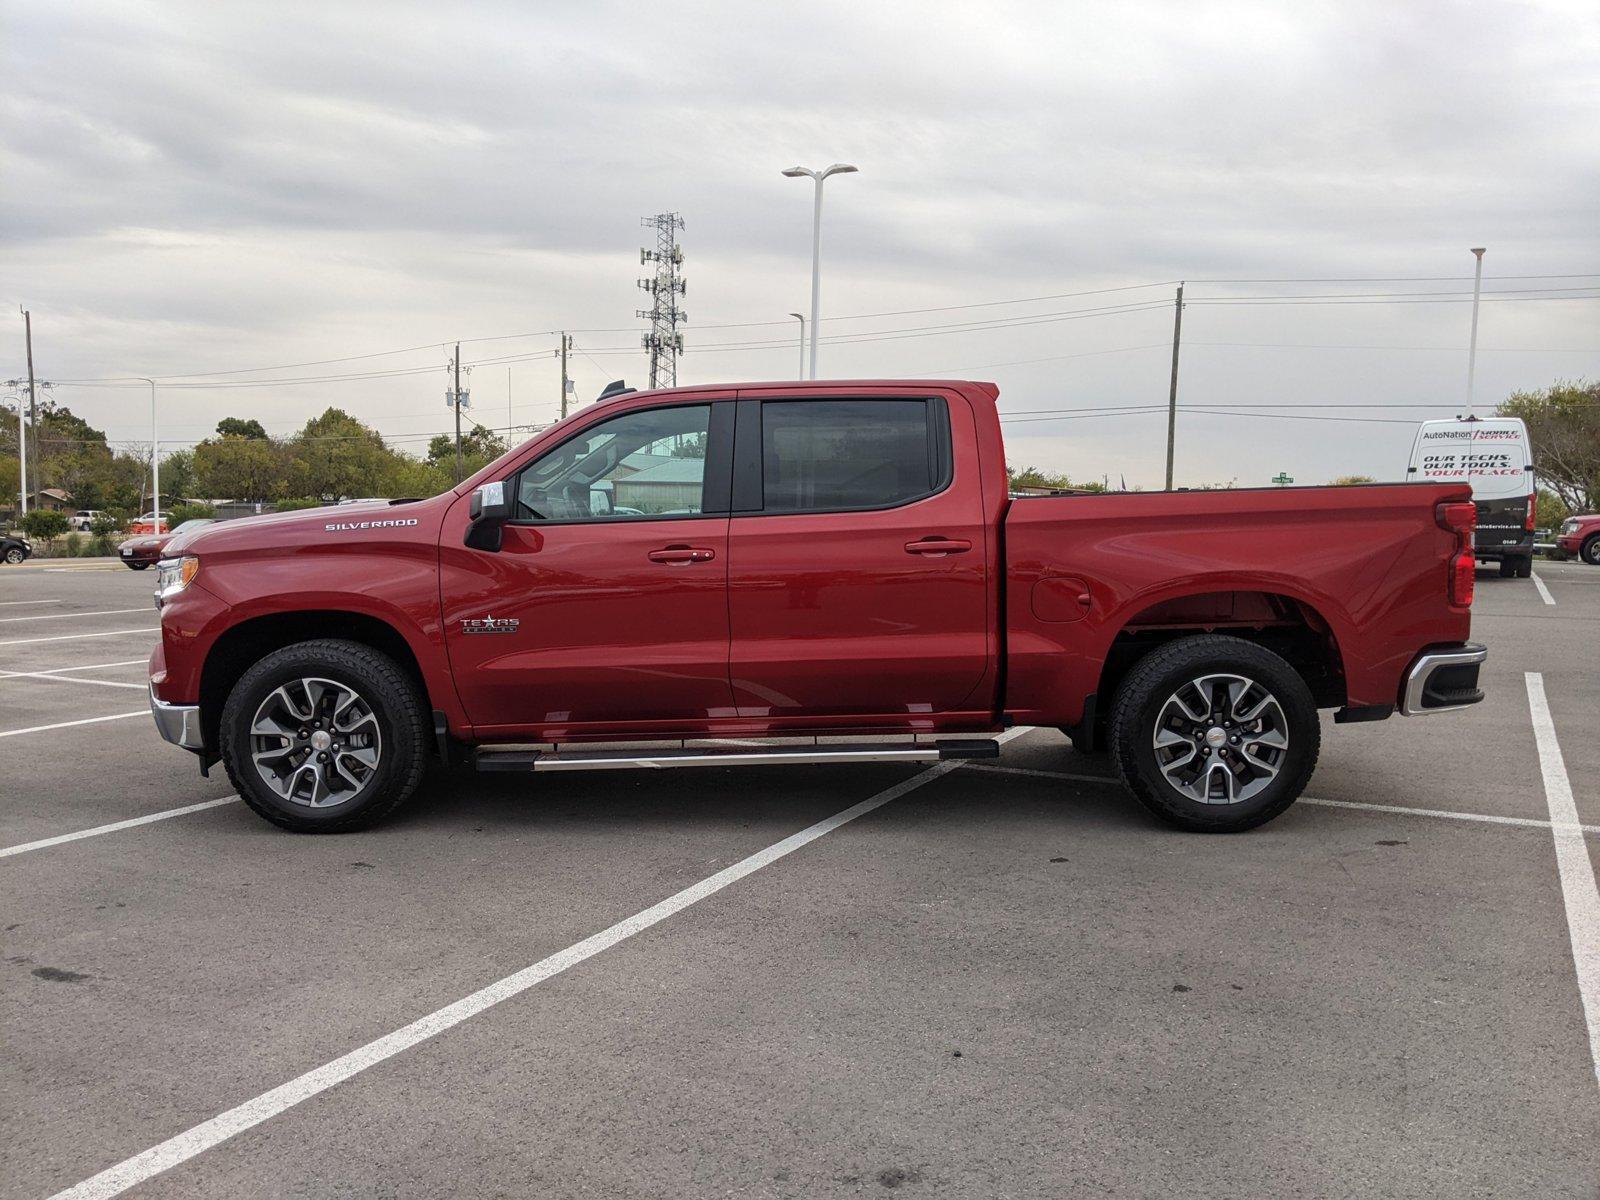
point(321, 739)
point(1215, 736)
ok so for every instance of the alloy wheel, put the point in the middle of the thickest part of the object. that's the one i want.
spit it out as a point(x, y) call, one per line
point(316, 742)
point(1221, 739)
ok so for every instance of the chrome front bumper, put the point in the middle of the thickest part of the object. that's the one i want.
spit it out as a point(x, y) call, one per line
point(178, 723)
point(1444, 680)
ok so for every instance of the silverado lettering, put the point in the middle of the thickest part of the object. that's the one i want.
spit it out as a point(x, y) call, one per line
point(391, 524)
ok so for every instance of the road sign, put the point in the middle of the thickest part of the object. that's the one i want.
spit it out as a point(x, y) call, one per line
point(1283, 479)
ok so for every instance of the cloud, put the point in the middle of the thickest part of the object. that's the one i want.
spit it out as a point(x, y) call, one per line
point(196, 186)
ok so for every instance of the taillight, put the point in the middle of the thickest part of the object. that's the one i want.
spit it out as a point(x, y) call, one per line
point(1463, 578)
point(1461, 519)
point(1533, 507)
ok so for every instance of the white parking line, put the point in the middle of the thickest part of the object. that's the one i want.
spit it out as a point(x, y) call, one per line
point(104, 612)
point(11, 603)
point(5, 733)
point(77, 637)
point(114, 827)
point(126, 662)
point(1578, 890)
point(264, 1107)
point(53, 677)
point(1399, 809)
point(1544, 592)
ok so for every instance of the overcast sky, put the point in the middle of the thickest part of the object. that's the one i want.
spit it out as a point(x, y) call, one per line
point(209, 187)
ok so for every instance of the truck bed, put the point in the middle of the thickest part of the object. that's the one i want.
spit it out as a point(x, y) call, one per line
point(1365, 567)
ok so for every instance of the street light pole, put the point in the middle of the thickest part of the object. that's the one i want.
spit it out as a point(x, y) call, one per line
point(1472, 351)
point(155, 457)
point(802, 319)
point(816, 242)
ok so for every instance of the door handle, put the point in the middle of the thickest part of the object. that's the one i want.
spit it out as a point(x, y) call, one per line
point(682, 555)
point(938, 547)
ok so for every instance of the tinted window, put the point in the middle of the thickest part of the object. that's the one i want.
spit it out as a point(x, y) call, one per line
point(642, 464)
point(846, 454)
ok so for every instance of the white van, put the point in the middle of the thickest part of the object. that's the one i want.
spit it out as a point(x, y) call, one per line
point(1491, 454)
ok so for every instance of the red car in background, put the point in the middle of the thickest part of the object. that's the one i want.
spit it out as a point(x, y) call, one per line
point(1580, 536)
point(140, 552)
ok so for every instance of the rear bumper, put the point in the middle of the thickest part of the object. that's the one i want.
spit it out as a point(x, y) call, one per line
point(1518, 549)
point(178, 723)
point(1443, 679)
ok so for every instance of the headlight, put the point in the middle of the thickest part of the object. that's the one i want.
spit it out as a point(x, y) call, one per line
point(175, 574)
point(1570, 525)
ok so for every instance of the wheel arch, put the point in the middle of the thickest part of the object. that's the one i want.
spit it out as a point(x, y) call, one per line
point(247, 642)
point(1290, 625)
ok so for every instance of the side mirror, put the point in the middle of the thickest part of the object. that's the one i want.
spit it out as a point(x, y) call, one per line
point(489, 509)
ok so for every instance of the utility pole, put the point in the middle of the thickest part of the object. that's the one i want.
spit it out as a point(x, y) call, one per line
point(33, 398)
point(663, 341)
point(1172, 394)
point(566, 344)
point(1472, 351)
point(508, 408)
point(457, 365)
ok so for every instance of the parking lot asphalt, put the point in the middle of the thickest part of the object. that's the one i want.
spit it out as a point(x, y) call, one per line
point(1004, 981)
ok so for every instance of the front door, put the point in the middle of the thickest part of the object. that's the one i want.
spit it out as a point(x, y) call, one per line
point(607, 600)
point(857, 570)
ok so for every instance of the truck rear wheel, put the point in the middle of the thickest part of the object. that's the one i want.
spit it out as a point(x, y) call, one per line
point(324, 736)
point(1214, 734)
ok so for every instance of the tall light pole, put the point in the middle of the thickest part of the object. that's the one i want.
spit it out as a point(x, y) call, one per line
point(22, 445)
point(155, 457)
point(816, 243)
point(802, 319)
point(1472, 352)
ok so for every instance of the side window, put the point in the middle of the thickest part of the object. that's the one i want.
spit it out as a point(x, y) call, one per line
point(850, 454)
point(650, 463)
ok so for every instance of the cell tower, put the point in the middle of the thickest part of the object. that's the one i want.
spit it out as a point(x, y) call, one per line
point(664, 341)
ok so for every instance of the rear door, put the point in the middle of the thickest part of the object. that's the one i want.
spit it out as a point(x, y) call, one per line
point(857, 578)
point(1491, 456)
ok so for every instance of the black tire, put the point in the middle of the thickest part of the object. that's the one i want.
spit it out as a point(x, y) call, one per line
point(1525, 567)
point(15, 555)
point(401, 717)
point(1590, 550)
point(138, 566)
point(1154, 682)
point(1508, 568)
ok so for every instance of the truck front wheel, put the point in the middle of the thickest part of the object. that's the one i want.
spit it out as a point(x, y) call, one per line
point(324, 736)
point(1214, 734)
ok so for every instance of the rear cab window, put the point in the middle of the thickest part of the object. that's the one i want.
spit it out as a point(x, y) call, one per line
point(841, 455)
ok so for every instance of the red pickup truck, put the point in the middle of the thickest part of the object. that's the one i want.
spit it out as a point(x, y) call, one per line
point(807, 572)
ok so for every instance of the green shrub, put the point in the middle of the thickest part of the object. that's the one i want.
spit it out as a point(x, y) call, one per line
point(99, 545)
point(303, 502)
point(69, 546)
point(190, 512)
point(44, 524)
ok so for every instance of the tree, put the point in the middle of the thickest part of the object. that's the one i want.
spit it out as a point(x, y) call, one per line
point(240, 468)
point(1549, 511)
point(177, 474)
point(1033, 477)
point(336, 455)
point(1564, 428)
point(479, 448)
point(239, 427)
point(1350, 480)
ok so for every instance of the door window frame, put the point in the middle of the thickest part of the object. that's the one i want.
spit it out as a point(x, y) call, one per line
point(748, 474)
point(715, 484)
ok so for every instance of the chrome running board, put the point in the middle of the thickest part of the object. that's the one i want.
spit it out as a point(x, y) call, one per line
point(600, 759)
